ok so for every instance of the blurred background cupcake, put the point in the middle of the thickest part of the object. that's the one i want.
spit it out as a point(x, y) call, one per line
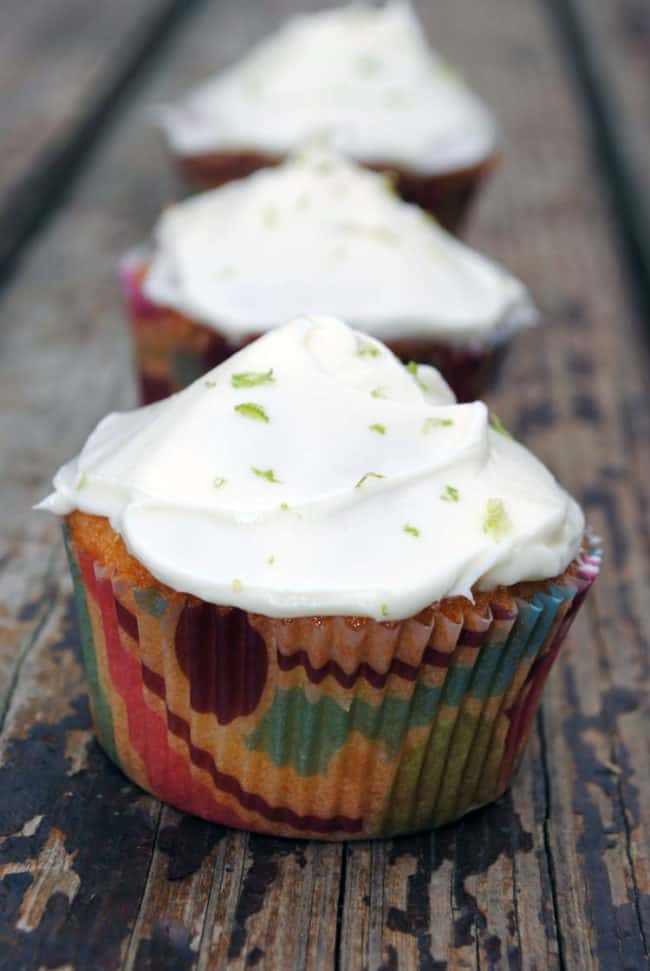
point(310, 611)
point(316, 234)
point(362, 75)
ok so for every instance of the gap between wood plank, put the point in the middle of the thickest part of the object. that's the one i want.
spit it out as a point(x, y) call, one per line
point(44, 188)
point(550, 862)
point(339, 908)
point(613, 733)
point(629, 206)
point(49, 602)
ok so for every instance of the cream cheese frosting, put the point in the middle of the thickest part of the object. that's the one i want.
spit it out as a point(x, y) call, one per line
point(313, 474)
point(320, 234)
point(362, 75)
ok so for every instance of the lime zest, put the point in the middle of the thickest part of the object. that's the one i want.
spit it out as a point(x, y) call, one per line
point(218, 483)
point(384, 610)
point(267, 474)
point(367, 350)
point(249, 379)
point(377, 393)
point(248, 409)
point(450, 494)
point(270, 216)
point(412, 368)
point(496, 522)
point(236, 585)
point(411, 530)
point(82, 482)
point(380, 429)
point(271, 560)
point(498, 426)
point(430, 423)
point(210, 384)
point(368, 475)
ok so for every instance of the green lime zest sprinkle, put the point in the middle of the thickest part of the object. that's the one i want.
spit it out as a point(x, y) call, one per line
point(267, 474)
point(218, 483)
point(412, 530)
point(250, 410)
point(412, 368)
point(210, 384)
point(377, 393)
point(381, 429)
point(450, 494)
point(389, 182)
point(368, 350)
point(249, 379)
point(270, 216)
point(498, 425)
point(496, 522)
point(368, 475)
point(82, 482)
point(236, 585)
point(384, 610)
point(284, 506)
point(430, 423)
point(383, 234)
point(271, 560)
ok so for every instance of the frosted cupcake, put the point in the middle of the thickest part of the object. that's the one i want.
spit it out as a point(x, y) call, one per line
point(318, 233)
point(318, 597)
point(363, 76)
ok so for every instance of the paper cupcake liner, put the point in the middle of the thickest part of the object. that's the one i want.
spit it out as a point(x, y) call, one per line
point(172, 351)
point(446, 195)
point(331, 728)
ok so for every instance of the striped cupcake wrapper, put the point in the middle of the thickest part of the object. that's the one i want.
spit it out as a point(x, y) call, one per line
point(172, 351)
point(331, 728)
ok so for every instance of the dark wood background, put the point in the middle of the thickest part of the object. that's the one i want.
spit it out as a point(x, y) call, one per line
point(95, 874)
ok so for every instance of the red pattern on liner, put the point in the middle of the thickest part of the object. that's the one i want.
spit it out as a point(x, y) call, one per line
point(224, 660)
point(168, 773)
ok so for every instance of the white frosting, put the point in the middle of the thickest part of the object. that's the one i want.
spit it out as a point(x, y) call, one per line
point(177, 481)
point(320, 234)
point(364, 76)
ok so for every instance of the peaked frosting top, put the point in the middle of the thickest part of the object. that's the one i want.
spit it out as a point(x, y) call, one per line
point(313, 474)
point(319, 234)
point(361, 74)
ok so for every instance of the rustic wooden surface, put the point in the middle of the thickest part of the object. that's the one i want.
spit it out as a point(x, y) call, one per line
point(62, 65)
point(609, 42)
point(94, 874)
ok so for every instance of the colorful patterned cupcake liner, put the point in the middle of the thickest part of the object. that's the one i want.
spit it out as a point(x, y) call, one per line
point(334, 728)
point(172, 351)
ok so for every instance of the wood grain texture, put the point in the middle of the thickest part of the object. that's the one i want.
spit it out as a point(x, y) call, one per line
point(93, 872)
point(609, 43)
point(62, 64)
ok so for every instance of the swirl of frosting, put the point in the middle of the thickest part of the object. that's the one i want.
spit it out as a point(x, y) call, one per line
point(364, 76)
point(320, 234)
point(312, 473)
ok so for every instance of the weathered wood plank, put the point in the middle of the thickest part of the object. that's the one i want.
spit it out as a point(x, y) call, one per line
point(62, 64)
point(609, 43)
point(556, 875)
point(73, 833)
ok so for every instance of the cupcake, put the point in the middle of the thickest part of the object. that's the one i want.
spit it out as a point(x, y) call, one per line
point(311, 610)
point(362, 76)
point(317, 233)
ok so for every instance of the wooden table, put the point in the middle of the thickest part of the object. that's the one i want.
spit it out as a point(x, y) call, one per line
point(94, 873)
